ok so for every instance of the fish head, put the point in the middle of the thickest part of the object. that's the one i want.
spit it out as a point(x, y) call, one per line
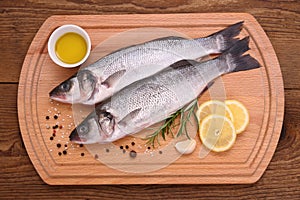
point(77, 89)
point(96, 128)
point(66, 92)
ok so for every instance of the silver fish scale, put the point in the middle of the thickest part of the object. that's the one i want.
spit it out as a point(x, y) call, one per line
point(147, 97)
point(162, 94)
point(157, 96)
point(152, 102)
point(163, 52)
point(148, 58)
point(151, 96)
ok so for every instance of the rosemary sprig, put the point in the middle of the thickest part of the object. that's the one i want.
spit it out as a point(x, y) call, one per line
point(163, 130)
point(185, 115)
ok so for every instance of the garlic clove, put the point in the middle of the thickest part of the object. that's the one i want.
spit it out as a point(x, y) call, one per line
point(186, 146)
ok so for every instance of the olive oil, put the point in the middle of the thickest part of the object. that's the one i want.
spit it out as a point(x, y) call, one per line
point(70, 48)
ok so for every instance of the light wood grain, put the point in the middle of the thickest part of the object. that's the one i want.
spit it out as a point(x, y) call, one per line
point(261, 91)
point(17, 172)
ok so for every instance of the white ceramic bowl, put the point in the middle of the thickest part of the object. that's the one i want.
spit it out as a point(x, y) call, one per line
point(61, 31)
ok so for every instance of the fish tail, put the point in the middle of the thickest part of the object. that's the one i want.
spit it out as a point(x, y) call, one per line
point(225, 39)
point(235, 61)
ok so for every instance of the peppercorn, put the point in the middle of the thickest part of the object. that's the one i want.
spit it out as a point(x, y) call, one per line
point(132, 154)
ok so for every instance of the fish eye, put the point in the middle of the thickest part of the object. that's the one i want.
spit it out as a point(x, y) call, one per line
point(83, 129)
point(65, 86)
point(107, 115)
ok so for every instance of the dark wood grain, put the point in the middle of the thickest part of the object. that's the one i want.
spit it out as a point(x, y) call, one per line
point(20, 20)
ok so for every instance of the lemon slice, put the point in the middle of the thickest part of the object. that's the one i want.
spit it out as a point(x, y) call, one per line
point(240, 115)
point(217, 133)
point(213, 107)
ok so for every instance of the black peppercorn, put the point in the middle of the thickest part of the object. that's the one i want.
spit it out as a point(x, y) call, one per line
point(132, 154)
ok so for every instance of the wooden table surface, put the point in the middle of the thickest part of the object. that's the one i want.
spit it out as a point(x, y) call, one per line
point(21, 19)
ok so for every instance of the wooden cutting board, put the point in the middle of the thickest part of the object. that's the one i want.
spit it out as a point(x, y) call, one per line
point(60, 162)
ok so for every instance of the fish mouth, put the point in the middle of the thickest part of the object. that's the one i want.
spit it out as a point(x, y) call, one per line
point(74, 137)
point(56, 95)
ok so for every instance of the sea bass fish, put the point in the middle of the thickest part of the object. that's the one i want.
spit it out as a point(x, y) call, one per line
point(153, 99)
point(115, 71)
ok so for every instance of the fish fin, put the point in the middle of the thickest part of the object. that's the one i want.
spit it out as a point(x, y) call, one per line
point(245, 63)
point(183, 63)
point(240, 47)
point(224, 39)
point(169, 38)
point(235, 61)
point(207, 87)
point(112, 79)
point(128, 118)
